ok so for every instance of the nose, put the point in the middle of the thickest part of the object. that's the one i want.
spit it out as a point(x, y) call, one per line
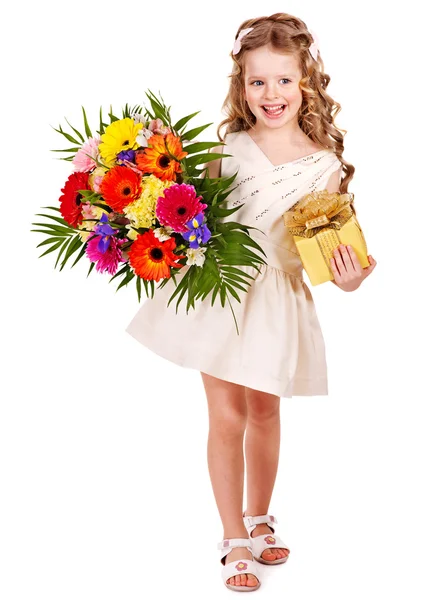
point(271, 92)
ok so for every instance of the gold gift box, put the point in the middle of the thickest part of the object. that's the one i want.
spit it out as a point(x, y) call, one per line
point(320, 222)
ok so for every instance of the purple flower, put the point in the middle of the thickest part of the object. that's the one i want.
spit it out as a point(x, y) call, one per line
point(105, 231)
point(128, 155)
point(198, 233)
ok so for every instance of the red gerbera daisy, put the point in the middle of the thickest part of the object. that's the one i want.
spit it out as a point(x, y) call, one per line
point(151, 259)
point(120, 186)
point(71, 199)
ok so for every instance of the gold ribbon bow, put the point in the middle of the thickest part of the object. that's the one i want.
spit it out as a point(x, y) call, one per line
point(317, 211)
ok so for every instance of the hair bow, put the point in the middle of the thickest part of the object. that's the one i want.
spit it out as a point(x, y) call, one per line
point(237, 44)
point(314, 48)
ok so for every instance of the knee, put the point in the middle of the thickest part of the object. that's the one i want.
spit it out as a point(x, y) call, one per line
point(263, 410)
point(226, 405)
point(229, 422)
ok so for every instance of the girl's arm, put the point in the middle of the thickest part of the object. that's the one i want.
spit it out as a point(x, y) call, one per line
point(334, 182)
point(214, 166)
point(347, 271)
point(332, 187)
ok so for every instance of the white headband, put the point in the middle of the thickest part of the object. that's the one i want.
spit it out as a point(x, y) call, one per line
point(313, 49)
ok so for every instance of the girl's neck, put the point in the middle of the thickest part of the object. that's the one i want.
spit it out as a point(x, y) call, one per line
point(283, 135)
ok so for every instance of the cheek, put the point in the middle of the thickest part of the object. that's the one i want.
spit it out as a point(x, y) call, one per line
point(294, 96)
point(250, 95)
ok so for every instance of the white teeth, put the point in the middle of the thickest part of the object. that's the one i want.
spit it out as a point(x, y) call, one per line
point(274, 110)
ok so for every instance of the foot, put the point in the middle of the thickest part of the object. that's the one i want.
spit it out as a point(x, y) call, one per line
point(269, 553)
point(243, 579)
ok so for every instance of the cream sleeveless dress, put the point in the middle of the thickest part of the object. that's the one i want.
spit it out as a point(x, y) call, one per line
point(280, 348)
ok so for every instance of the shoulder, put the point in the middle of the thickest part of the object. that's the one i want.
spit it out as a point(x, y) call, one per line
point(334, 181)
point(214, 166)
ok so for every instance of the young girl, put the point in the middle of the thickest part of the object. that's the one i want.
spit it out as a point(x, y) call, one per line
point(284, 144)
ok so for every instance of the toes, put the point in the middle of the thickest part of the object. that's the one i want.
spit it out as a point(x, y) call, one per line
point(251, 580)
point(275, 553)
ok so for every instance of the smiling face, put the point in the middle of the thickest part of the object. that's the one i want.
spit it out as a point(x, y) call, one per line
point(271, 78)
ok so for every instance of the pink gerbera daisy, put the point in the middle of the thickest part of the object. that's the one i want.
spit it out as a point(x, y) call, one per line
point(108, 260)
point(178, 205)
point(81, 161)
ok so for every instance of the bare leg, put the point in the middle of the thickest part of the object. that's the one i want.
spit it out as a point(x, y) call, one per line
point(227, 423)
point(262, 448)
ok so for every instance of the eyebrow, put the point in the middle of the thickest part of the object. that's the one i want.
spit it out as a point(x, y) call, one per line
point(261, 77)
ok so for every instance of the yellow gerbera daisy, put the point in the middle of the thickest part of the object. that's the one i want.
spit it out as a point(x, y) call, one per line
point(119, 135)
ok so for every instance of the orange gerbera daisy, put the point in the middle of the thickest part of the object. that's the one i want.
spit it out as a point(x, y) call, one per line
point(120, 186)
point(151, 259)
point(162, 156)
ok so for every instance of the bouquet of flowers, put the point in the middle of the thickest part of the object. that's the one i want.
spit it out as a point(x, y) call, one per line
point(138, 206)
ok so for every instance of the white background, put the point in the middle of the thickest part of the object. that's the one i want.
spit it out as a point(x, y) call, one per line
point(105, 491)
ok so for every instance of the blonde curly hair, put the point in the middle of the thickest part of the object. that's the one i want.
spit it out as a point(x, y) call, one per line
point(288, 34)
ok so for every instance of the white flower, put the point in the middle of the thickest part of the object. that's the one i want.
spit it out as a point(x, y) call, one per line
point(195, 256)
point(143, 137)
point(163, 233)
point(138, 118)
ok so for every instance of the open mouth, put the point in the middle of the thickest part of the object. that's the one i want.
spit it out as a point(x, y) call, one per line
point(275, 112)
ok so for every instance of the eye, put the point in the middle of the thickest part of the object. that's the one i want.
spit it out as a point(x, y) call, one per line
point(282, 79)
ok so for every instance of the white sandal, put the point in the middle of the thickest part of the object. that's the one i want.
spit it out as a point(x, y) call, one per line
point(238, 567)
point(263, 541)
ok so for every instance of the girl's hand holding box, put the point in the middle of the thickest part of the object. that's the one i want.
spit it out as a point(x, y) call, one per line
point(320, 223)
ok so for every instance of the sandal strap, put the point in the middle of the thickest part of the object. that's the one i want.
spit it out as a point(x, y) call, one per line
point(227, 544)
point(252, 522)
point(239, 567)
point(261, 542)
